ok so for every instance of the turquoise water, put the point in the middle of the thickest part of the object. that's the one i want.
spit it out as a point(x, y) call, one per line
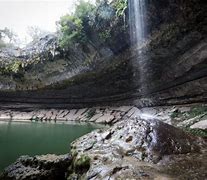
point(18, 139)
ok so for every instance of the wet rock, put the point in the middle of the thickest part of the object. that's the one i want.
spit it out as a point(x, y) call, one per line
point(106, 118)
point(21, 116)
point(123, 108)
point(190, 166)
point(71, 115)
point(5, 116)
point(43, 167)
point(135, 112)
point(95, 117)
point(191, 121)
point(200, 125)
point(135, 139)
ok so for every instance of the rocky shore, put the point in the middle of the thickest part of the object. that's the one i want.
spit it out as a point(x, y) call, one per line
point(39, 167)
point(139, 144)
point(192, 116)
point(137, 149)
point(46, 83)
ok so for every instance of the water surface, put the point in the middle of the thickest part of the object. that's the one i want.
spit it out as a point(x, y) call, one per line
point(18, 139)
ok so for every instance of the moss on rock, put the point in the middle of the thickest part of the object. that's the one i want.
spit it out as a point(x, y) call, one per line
point(82, 163)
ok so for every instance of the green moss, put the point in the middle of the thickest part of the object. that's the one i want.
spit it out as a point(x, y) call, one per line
point(36, 119)
point(196, 132)
point(72, 176)
point(82, 164)
point(196, 111)
point(74, 152)
point(13, 67)
point(91, 113)
point(105, 35)
point(176, 114)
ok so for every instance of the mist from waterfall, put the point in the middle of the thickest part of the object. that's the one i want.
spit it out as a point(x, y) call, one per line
point(137, 12)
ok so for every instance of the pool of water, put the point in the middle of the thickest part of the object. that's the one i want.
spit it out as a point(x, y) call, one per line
point(18, 139)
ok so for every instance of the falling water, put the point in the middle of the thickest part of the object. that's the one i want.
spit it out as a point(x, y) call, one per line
point(137, 12)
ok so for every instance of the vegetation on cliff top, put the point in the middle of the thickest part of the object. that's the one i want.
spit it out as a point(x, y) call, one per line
point(7, 38)
point(90, 20)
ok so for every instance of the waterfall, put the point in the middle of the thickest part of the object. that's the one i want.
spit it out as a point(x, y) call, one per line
point(137, 14)
point(137, 10)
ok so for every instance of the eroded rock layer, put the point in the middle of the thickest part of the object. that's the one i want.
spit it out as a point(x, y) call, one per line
point(173, 58)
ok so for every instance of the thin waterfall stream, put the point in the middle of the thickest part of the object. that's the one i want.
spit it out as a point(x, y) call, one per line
point(137, 13)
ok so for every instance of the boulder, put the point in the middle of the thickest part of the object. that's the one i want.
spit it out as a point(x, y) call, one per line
point(200, 125)
point(132, 140)
point(43, 167)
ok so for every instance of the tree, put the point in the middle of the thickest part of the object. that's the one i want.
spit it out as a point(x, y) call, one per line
point(35, 32)
point(71, 27)
point(2, 43)
point(120, 6)
point(83, 9)
point(71, 30)
point(7, 38)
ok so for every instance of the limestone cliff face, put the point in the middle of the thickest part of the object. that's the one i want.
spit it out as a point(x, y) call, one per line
point(176, 57)
point(174, 63)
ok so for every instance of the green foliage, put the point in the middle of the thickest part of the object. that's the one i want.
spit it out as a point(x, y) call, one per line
point(176, 114)
point(12, 68)
point(9, 35)
point(88, 19)
point(196, 111)
point(82, 163)
point(196, 132)
point(120, 6)
point(72, 26)
point(83, 9)
point(15, 66)
point(71, 30)
point(74, 152)
point(104, 35)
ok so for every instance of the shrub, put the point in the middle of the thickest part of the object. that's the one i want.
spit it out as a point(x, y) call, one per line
point(176, 114)
point(2, 44)
point(82, 163)
point(72, 26)
point(105, 35)
point(71, 30)
point(84, 9)
point(120, 6)
point(14, 67)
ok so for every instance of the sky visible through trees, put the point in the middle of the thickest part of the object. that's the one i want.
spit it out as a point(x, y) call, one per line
point(19, 15)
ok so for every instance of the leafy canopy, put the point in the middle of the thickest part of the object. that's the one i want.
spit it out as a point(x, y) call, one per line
point(90, 19)
point(120, 6)
point(72, 25)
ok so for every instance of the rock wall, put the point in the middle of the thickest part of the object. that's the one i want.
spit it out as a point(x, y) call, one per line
point(174, 62)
